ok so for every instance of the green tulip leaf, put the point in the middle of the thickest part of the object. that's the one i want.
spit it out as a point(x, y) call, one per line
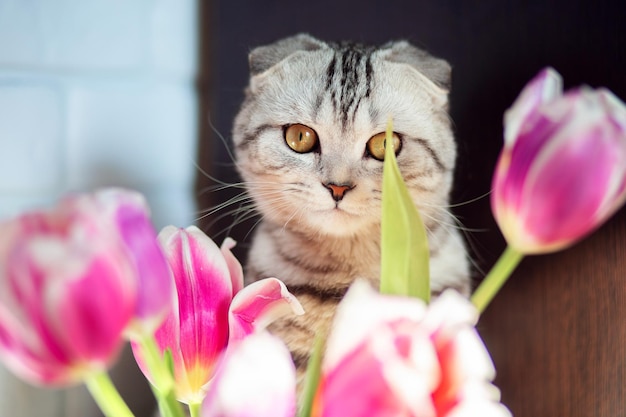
point(404, 245)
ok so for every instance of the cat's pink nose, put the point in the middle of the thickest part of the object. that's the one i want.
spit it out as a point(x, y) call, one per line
point(338, 191)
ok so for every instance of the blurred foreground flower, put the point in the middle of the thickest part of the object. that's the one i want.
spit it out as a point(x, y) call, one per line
point(394, 356)
point(561, 174)
point(562, 171)
point(210, 310)
point(257, 378)
point(129, 214)
point(69, 284)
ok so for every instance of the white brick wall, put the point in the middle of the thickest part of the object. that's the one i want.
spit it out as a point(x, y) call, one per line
point(94, 93)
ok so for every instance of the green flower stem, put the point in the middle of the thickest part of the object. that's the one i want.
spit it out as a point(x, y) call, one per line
point(164, 388)
point(494, 280)
point(194, 409)
point(156, 364)
point(168, 404)
point(106, 396)
point(312, 378)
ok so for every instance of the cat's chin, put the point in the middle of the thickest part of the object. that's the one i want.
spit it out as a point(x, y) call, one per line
point(340, 223)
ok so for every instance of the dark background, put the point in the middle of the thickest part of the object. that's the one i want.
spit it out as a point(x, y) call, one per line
point(557, 331)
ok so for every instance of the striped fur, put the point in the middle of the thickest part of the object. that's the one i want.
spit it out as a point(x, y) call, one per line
point(346, 93)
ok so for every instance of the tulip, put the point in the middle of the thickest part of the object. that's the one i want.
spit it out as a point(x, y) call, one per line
point(394, 356)
point(257, 378)
point(68, 287)
point(130, 215)
point(210, 310)
point(562, 172)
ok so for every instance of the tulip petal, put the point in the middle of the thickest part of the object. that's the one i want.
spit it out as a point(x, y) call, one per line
point(234, 267)
point(126, 216)
point(361, 309)
point(452, 309)
point(258, 304)
point(92, 324)
point(411, 367)
point(31, 363)
point(480, 408)
point(357, 387)
point(130, 217)
point(257, 378)
point(23, 353)
point(552, 184)
point(156, 284)
point(546, 86)
point(204, 294)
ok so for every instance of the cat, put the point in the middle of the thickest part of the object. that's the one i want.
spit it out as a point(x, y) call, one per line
point(308, 141)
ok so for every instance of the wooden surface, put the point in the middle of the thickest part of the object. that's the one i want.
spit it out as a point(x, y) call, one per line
point(557, 330)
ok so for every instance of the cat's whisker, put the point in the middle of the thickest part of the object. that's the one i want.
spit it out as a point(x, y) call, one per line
point(470, 201)
point(221, 185)
point(209, 176)
point(454, 225)
point(299, 211)
point(248, 211)
point(469, 238)
point(456, 205)
point(235, 212)
point(241, 218)
point(242, 197)
point(467, 232)
point(222, 139)
point(240, 214)
point(254, 226)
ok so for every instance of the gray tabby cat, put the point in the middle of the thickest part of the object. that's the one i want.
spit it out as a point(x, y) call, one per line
point(309, 146)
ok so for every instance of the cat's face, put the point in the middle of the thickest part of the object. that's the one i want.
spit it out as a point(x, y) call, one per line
point(308, 141)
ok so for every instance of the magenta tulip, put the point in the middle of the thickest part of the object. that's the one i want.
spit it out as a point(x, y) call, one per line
point(562, 171)
point(130, 216)
point(394, 356)
point(211, 309)
point(256, 379)
point(69, 284)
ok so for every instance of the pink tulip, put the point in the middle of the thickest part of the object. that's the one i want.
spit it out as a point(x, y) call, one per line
point(562, 171)
point(130, 216)
point(393, 356)
point(69, 284)
point(210, 310)
point(256, 379)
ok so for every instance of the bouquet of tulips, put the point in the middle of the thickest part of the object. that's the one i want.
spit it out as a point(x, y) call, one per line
point(79, 280)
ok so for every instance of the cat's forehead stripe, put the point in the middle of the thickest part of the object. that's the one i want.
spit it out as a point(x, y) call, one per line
point(348, 67)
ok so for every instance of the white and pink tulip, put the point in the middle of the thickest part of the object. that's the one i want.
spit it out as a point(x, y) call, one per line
point(394, 356)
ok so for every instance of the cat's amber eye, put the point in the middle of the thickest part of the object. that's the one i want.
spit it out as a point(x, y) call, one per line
point(301, 138)
point(376, 145)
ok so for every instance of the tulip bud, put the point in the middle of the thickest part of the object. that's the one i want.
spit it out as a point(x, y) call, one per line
point(562, 171)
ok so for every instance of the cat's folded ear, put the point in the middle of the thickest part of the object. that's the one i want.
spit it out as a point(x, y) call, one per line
point(435, 69)
point(264, 57)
